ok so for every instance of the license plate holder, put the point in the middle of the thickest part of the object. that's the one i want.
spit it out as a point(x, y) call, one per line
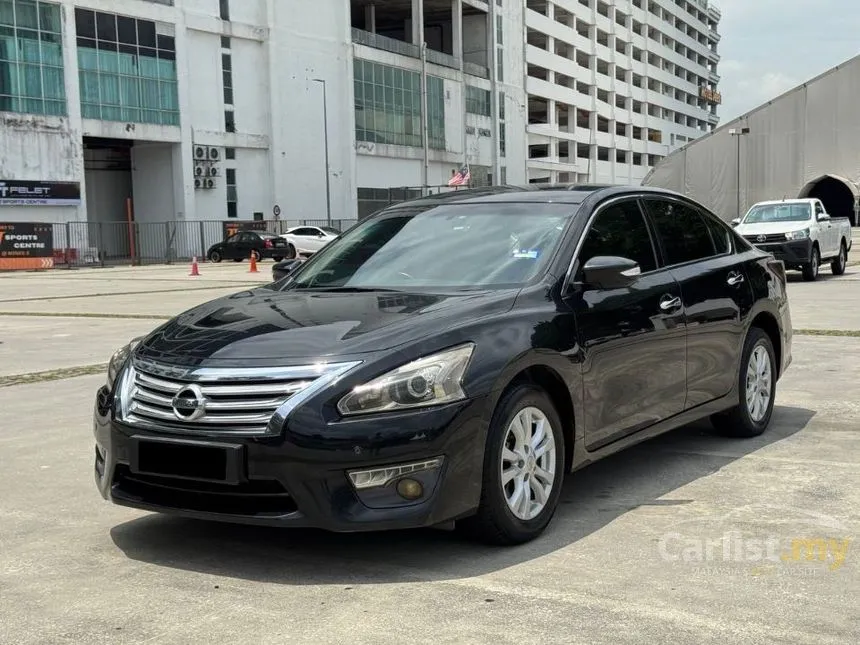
point(183, 459)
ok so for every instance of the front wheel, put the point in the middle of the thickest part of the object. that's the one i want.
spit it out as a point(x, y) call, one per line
point(523, 469)
point(837, 267)
point(756, 387)
point(215, 257)
point(810, 271)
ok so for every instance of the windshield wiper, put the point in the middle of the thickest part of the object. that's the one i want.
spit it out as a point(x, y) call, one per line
point(347, 289)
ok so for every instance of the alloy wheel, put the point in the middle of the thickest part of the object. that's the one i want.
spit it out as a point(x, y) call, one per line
point(528, 463)
point(759, 383)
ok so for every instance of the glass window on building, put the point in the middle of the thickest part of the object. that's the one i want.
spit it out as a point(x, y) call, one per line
point(388, 106)
point(477, 101)
point(31, 58)
point(127, 69)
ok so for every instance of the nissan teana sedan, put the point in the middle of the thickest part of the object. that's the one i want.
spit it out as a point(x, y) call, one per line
point(449, 361)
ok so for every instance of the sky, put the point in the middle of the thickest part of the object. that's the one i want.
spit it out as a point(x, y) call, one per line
point(771, 46)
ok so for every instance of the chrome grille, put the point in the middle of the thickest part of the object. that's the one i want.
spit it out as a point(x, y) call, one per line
point(218, 401)
point(768, 238)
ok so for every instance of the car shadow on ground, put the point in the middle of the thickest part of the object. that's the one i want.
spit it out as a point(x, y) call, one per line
point(592, 498)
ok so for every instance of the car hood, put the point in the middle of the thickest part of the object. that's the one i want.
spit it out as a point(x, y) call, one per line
point(769, 228)
point(271, 327)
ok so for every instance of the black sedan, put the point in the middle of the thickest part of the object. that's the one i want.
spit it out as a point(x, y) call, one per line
point(449, 361)
point(240, 246)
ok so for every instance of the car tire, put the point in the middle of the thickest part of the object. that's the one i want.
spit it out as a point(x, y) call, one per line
point(277, 258)
point(810, 271)
point(238, 259)
point(256, 255)
point(495, 521)
point(291, 252)
point(837, 267)
point(214, 256)
point(749, 418)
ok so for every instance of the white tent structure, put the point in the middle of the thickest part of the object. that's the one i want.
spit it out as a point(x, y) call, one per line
point(806, 143)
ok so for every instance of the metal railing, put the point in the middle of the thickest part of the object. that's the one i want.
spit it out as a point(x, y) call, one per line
point(475, 70)
point(369, 39)
point(443, 59)
point(111, 243)
point(371, 200)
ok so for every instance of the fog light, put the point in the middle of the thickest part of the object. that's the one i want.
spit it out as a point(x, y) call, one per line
point(377, 477)
point(410, 489)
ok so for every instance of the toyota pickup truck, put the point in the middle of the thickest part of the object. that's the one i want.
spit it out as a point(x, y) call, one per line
point(799, 232)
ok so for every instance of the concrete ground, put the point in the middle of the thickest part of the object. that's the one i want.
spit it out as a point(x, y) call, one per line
point(684, 539)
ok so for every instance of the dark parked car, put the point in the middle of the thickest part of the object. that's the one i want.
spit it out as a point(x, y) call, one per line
point(241, 245)
point(449, 359)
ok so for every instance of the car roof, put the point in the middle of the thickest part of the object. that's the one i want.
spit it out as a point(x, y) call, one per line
point(533, 193)
point(806, 200)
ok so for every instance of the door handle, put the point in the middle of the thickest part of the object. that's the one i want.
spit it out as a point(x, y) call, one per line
point(669, 303)
point(734, 279)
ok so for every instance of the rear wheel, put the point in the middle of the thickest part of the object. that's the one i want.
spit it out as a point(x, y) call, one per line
point(523, 469)
point(256, 255)
point(291, 252)
point(756, 389)
point(837, 267)
point(214, 256)
point(277, 258)
point(810, 271)
point(238, 259)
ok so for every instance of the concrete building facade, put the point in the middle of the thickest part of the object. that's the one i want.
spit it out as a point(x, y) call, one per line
point(616, 85)
point(168, 110)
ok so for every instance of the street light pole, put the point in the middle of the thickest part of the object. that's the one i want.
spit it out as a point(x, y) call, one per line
point(739, 132)
point(325, 136)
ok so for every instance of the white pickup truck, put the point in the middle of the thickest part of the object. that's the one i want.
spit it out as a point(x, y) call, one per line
point(800, 233)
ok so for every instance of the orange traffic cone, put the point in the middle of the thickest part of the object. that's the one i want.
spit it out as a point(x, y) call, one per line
point(253, 268)
point(194, 268)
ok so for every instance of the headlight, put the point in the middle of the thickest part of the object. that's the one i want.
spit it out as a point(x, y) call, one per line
point(797, 235)
point(118, 361)
point(432, 380)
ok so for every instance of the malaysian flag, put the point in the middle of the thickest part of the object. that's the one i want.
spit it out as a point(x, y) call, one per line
point(461, 177)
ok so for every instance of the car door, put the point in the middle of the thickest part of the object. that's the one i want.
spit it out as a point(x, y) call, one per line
point(715, 290)
point(633, 338)
point(316, 239)
point(302, 238)
point(231, 247)
point(827, 232)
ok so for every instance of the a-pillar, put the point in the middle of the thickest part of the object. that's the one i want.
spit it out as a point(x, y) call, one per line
point(418, 22)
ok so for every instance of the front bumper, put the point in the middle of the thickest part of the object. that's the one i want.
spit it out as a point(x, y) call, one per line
point(792, 253)
point(299, 478)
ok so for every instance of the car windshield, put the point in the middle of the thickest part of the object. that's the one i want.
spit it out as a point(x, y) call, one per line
point(446, 247)
point(778, 213)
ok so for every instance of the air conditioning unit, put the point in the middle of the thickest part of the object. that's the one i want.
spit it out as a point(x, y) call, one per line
point(198, 183)
point(209, 183)
point(200, 152)
point(199, 171)
point(213, 171)
point(214, 154)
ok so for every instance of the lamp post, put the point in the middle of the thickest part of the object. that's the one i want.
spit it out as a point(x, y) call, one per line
point(325, 137)
point(739, 132)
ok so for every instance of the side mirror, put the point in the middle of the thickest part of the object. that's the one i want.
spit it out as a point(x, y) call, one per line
point(822, 217)
point(609, 272)
point(736, 221)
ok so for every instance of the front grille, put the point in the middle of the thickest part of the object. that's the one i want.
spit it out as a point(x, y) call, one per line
point(769, 238)
point(217, 401)
point(251, 498)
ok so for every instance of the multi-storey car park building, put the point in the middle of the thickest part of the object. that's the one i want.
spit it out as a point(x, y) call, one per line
point(222, 109)
point(615, 85)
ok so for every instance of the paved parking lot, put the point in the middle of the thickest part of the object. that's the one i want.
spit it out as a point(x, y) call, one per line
point(690, 538)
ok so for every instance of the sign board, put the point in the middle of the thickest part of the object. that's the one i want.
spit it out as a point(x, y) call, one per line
point(710, 95)
point(276, 211)
point(15, 192)
point(231, 227)
point(26, 245)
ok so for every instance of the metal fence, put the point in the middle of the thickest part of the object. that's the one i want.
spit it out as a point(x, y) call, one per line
point(109, 243)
